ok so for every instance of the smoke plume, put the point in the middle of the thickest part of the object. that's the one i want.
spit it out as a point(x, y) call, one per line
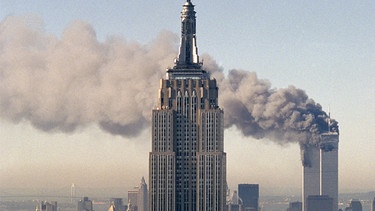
point(61, 84)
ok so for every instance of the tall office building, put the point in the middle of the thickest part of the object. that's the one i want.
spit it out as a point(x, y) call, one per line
point(373, 205)
point(320, 168)
point(117, 204)
point(72, 193)
point(234, 203)
point(47, 206)
point(187, 161)
point(84, 205)
point(138, 197)
point(355, 205)
point(295, 206)
point(142, 197)
point(249, 194)
point(311, 173)
point(329, 184)
point(133, 198)
point(319, 203)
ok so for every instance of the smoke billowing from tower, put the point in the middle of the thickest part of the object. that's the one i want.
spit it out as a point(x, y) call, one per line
point(61, 84)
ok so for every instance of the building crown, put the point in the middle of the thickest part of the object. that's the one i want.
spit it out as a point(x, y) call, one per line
point(188, 52)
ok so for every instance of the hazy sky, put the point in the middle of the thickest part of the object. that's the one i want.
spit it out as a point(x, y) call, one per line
point(326, 48)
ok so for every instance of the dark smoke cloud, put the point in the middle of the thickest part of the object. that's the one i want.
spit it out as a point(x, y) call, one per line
point(286, 115)
point(61, 84)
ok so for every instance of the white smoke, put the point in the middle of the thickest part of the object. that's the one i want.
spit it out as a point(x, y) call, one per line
point(61, 84)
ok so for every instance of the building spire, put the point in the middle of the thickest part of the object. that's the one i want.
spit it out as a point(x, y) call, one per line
point(188, 53)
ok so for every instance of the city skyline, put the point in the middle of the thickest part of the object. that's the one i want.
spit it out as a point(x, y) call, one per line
point(349, 54)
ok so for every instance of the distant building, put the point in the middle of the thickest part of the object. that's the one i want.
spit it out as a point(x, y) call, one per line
point(249, 194)
point(234, 203)
point(47, 206)
point(72, 192)
point(142, 198)
point(355, 205)
point(295, 206)
point(373, 205)
point(319, 203)
point(133, 199)
point(117, 204)
point(234, 207)
point(138, 197)
point(84, 204)
point(130, 207)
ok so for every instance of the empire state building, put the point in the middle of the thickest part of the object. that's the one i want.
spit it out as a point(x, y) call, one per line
point(187, 161)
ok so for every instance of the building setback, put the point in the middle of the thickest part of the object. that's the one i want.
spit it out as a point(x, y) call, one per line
point(187, 161)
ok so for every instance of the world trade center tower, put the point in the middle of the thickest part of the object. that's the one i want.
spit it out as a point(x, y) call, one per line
point(187, 162)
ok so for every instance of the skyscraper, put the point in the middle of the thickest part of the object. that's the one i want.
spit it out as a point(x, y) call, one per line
point(187, 161)
point(311, 173)
point(47, 206)
point(355, 205)
point(84, 205)
point(319, 203)
point(142, 198)
point(295, 206)
point(373, 205)
point(138, 197)
point(320, 168)
point(329, 184)
point(249, 194)
point(116, 204)
point(133, 198)
point(233, 203)
point(72, 192)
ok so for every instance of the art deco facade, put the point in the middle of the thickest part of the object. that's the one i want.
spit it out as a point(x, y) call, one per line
point(187, 161)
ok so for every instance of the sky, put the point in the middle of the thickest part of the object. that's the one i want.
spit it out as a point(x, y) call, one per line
point(326, 48)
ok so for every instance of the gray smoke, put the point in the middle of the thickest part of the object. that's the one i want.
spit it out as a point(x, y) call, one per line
point(285, 115)
point(61, 84)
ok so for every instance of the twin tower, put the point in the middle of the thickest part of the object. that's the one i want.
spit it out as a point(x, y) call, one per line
point(320, 172)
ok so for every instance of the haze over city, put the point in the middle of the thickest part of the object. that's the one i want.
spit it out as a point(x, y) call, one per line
point(58, 126)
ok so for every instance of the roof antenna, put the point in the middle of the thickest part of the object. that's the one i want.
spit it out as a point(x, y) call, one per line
point(329, 119)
